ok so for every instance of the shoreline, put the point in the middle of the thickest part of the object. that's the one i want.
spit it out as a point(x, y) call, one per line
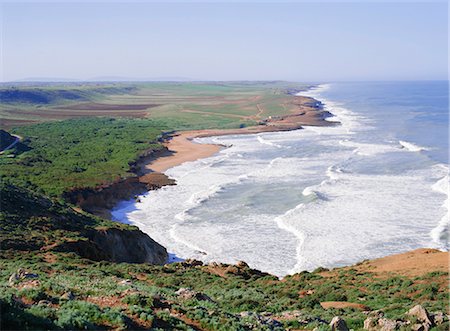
point(181, 148)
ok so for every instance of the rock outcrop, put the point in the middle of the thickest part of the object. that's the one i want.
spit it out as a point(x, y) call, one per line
point(33, 222)
point(131, 246)
point(6, 139)
point(421, 314)
point(187, 293)
point(338, 324)
point(417, 318)
point(117, 245)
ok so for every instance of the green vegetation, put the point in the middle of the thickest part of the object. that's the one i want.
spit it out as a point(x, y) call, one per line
point(30, 222)
point(77, 153)
point(59, 94)
point(134, 296)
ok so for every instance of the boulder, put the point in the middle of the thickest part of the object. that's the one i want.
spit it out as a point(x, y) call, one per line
point(242, 264)
point(191, 263)
point(370, 323)
point(187, 293)
point(421, 314)
point(385, 324)
point(338, 324)
point(20, 275)
point(419, 327)
point(439, 318)
point(256, 321)
point(68, 296)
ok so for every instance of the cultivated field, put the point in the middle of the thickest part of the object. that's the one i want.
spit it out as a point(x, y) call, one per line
point(180, 105)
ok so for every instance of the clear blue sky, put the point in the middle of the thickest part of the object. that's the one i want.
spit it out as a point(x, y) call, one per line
point(218, 41)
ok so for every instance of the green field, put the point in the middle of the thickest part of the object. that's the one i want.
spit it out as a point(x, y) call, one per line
point(181, 105)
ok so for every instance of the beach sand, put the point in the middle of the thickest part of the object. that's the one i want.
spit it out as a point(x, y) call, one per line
point(182, 149)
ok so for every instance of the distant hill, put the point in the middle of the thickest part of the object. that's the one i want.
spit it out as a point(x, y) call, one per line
point(40, 96)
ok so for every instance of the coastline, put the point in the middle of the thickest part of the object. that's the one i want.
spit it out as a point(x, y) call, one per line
point(181, 147)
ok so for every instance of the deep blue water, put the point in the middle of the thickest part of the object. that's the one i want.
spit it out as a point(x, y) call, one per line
point(416, 112)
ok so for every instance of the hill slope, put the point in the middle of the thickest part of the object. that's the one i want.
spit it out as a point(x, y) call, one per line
point(57, 272)
point(33, 223)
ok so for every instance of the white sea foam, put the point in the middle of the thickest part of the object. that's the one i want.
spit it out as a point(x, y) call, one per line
point(440, 233)
point(268, 142)
point(280, 221)
point(412, 147)
point(365, 149)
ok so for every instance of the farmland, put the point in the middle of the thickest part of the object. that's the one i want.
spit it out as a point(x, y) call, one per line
point(179, 105)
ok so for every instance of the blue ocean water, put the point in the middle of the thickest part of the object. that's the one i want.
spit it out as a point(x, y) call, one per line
point(417, 112)
point(375, 184)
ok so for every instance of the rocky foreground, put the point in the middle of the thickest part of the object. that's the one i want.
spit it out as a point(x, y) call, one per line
point(56, 290)
point(62, 268)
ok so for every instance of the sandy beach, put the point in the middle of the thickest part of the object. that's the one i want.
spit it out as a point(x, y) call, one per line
point(181, 148)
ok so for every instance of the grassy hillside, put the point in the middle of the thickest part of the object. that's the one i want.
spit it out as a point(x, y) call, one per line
point(57, 156)
point(74, 293)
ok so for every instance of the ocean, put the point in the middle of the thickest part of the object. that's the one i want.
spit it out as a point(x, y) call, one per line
point(284, 202)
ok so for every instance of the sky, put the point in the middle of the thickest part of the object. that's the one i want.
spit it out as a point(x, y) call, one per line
point(296, 41)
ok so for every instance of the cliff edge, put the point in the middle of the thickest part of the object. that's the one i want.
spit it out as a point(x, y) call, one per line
point(32, 222)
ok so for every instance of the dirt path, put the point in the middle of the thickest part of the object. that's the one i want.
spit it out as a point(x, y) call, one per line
point(260, 111)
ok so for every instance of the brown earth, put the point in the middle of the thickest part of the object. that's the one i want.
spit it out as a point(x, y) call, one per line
point(108, 107)
point(412, 264)
point(7, 123)
point(37, 115)
point(343, 305)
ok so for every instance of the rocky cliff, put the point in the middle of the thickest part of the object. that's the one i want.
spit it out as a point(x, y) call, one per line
point(32, 222)
point(131, 246)
point(100, 200)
